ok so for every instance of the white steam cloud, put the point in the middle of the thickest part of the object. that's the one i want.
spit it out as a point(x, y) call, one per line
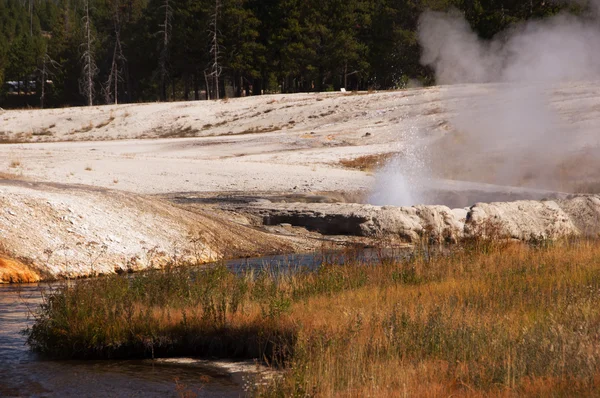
point(513, 122)
point(560, 48)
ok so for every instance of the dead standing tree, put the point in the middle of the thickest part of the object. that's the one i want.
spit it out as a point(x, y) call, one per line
point(111, 87)
point(86, 83)
point(164, 52)
point(48, 65)
point(30, 17)
point(215, 67)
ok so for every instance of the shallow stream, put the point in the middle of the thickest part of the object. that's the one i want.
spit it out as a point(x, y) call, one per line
point(25, 374)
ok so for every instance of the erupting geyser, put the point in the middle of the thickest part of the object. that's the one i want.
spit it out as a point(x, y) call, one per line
point(404, 179)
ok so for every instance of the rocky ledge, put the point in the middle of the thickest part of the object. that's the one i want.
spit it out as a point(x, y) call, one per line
point(523, 220)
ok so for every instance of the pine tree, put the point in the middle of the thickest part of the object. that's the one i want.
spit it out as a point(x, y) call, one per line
point(243, 55)
point(348, 54)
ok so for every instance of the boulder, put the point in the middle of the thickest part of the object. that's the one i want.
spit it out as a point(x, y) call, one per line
point(524, 220)
point(584, 212)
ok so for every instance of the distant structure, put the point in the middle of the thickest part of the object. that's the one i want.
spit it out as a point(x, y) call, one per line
point(14, 87)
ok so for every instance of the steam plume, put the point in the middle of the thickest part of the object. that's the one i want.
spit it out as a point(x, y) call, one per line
point(561, 48)
point(510, 132)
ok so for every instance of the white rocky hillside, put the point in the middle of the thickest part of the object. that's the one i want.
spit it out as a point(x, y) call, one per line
point(296, 141)
point(75, 183)
point(56, 231)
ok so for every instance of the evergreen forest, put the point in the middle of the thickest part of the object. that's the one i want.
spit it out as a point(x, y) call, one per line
point(86, 52)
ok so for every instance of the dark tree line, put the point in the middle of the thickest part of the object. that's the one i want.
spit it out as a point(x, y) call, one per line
point(75, 52)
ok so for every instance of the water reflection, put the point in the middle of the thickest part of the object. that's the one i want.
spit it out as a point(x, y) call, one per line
point(23, 373)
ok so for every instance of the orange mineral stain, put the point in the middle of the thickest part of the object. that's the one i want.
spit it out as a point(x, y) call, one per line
point(12, 271)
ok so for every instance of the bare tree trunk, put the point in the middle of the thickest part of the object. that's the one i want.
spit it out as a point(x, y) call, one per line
point(186, 86)
point(108, 87)
point(128, 84)
point(116, 88)
point(196, 86)
point(207, 87)
point(215, 67)
point(111, 89)
point(346, 74)
point(89, 65)
point(43, 94)
point(164, 54)
point(89, 76)
point(48, 65)
point(30, 17)
point(530, 7)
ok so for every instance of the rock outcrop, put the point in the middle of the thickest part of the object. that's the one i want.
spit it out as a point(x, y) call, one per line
point(406, 223)
point(584, 213)
point(57, 231)
point(523, 220)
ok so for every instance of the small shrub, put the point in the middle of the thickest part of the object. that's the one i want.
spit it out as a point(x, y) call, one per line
point(368, 162)
point(106, 122)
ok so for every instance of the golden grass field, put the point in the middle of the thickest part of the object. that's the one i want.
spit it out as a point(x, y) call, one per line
point(484, 319)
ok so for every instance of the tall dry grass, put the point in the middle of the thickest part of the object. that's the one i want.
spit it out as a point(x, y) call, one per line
point(504, 319)
point(515, 320)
